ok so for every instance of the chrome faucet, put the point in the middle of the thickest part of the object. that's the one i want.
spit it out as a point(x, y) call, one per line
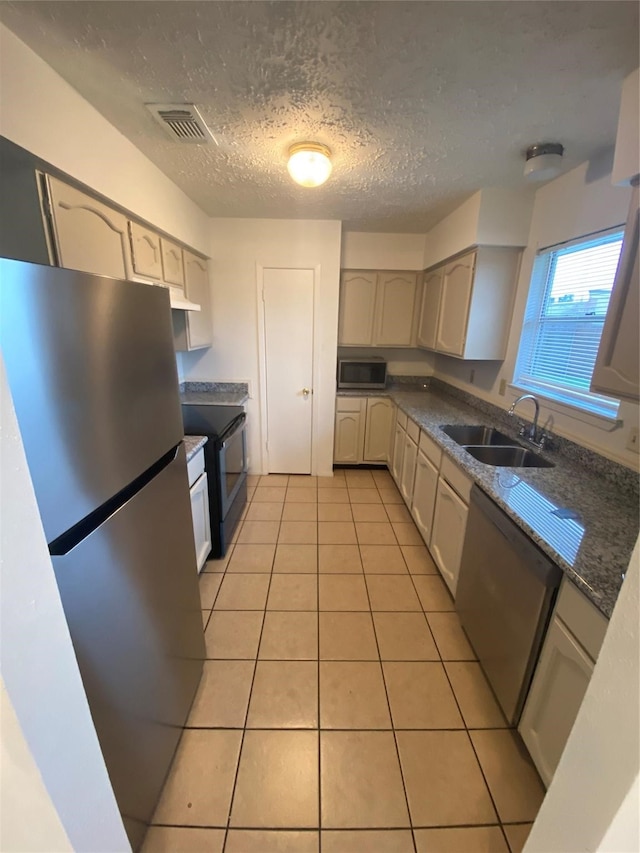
point(530, 433)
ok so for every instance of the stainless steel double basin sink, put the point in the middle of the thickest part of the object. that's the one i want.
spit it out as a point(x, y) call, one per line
point(492, 447)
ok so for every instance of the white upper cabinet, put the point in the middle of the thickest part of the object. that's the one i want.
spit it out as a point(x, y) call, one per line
point(357, 307)
point(431, 292)
point(455, 301)
point(377, 308)
point(193, 329)
point(396, 299)
point(616, 371)
point(467, 304)
point(145, 251)
point(172, 263)
point(626, 161)
point(88, 235)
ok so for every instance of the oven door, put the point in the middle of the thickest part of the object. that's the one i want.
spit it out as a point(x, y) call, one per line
point(232, 456)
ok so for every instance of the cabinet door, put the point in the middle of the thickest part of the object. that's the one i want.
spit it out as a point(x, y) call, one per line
point(396, 297)
point(348, 437)
point(557, 690)
point(425, 488)
point(408, 470)
point(145, 251)
point(447, 535)
point(428, 327)
point(455, 303)
point(357, 308)
point(617, 364)
point(377, 429)
point(201, 522)
point(199, 323)
point(88, 235)
point(398, 454)
point(172, 263)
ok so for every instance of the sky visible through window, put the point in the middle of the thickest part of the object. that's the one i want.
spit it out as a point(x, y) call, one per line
point(581, 280)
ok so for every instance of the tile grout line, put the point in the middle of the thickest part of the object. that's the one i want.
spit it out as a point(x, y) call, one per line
point(395, 739)
point(318, 677)
point(246, 716)
point(371, 612)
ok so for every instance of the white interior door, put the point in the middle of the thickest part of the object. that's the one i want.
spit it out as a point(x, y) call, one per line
point(288, 333)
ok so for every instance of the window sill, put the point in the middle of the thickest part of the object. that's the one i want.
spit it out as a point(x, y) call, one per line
point(608, 424)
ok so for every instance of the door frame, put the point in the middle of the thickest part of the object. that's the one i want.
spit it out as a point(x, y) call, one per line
point(262, 361)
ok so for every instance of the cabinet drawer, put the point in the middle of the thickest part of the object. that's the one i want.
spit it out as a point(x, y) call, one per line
point(195, 466)
point(454, 476)
point(350, 404)
point(413, 430)
point(402, 419)
point(430, 450)
point(581, 617)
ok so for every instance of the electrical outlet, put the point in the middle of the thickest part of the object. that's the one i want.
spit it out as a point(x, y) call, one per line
point(633, 441)
point(472, 376)
point(503, 387)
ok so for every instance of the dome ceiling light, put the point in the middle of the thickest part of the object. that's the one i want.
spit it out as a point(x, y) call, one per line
point(309, 163)
point(544, 161)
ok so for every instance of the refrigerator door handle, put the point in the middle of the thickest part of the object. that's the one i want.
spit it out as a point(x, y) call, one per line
point(71, 538)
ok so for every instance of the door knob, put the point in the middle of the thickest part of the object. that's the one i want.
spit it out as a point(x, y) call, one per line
point(306, 392)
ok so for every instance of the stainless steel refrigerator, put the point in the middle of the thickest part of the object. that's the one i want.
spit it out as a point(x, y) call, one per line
point(92, 373)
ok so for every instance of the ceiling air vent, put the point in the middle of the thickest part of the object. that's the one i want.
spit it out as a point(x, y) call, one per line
point(182, 122)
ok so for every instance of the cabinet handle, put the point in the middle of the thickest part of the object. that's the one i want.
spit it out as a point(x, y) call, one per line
point(306, 392)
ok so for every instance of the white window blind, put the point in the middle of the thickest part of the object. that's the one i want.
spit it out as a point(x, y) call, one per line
point(567, 304)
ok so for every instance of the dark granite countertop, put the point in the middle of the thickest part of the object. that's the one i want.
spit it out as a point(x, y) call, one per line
point(214, 393)
point(585, 522)
point(193, 443)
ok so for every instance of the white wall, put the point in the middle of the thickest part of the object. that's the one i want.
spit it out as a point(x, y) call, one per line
point(237, 247)
point(41, 675)
point(42, 113)
point(590, 804)
point(580, 202)
point(454, 233)
point(28, 819)
point(364, 251)
point(491, 217)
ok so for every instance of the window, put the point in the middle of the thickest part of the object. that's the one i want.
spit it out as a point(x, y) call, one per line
point(567, 304)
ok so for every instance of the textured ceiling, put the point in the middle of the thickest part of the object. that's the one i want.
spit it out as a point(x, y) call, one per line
point(422, 103)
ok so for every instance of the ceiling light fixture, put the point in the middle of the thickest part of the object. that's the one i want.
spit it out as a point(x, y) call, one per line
point(309, 163)
point(544, 161)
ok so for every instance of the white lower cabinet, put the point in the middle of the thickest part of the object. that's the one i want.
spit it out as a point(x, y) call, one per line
point(362, 429)
point(377, 429)
point(561, 678)
point(447, 535)
point(409, 459)
point(425, 487)
point(349, 429)
point(398, 453)
point(198, 491)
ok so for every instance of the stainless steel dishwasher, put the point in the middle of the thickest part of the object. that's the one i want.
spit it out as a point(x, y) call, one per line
point(505, 592)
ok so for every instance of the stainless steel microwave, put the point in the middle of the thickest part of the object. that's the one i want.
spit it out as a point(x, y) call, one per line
point(362, 373)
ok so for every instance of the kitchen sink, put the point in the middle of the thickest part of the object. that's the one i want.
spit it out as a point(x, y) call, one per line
point(513, 457)
point(475, 435)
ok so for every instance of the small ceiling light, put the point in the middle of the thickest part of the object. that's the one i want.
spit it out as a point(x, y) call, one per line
point(544, 161)
point(309, 163)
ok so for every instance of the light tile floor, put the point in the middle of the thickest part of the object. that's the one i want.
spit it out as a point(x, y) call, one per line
point(341, 708)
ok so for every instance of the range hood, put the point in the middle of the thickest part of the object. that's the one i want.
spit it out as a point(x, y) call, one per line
point(179, 301)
